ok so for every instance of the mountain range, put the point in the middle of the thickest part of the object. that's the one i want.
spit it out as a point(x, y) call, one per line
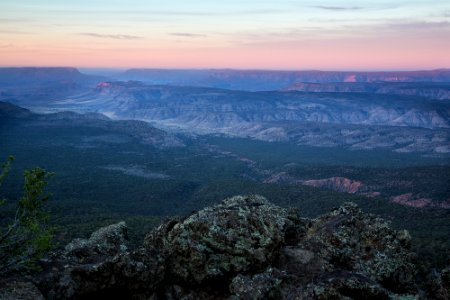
point(431, 90)
point(353, 120)
point(265, 80)
point(400, 111)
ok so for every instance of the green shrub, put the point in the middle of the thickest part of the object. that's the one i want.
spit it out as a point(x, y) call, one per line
point(27, 237)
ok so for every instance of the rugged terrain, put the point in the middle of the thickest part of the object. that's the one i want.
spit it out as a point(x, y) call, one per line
point(114, 131)
point(242, 248)
point(354, 121)
point(138, 152)
point(440, 91)
point(399, 111)
point(266, 80)
point(41, 85)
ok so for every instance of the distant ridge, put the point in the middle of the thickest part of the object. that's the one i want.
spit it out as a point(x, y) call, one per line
point(140, 130)
point(260, 80)
point(41, 76)
point(248, 80)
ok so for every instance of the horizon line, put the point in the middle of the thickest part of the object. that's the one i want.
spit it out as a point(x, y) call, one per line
point(225, 69)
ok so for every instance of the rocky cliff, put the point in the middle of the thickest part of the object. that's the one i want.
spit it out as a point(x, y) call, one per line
point(211, 109)
point(426, 90)
point(242, 248)
point(263, 80)
point(36, 76)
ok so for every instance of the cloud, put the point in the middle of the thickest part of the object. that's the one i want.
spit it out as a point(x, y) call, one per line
point(14, 32)
point(112, 36)
point(175, 13)
point(384, 29)
point(187, 34)
point(337, 8)
point(14, 20)
point(419, 26)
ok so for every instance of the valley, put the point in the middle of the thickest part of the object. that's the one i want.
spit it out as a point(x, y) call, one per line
point(224, 150)
point(140, 153)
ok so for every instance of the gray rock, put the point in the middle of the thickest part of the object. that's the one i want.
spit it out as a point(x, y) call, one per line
point(19, 290)
point(439, 285)
point(242, 248)
point(108, 240)
point(242, 234)
point(100, 266)
point(260, 286)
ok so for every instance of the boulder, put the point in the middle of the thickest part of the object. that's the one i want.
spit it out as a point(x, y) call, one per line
point(242, 248)
point(439, 285)
point(240, 235)
point(99, 267)
point(19, 289)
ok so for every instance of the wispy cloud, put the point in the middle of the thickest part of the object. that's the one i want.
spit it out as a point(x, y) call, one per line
point(14, 32)
point(187, 34)
point(112, 36)
point(14, 20)
point(383, 29)
point(338, 8)
point(419, 26)
point(175, 13)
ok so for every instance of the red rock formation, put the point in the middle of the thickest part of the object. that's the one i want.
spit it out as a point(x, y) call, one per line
point(409, 200)
point(340, 184)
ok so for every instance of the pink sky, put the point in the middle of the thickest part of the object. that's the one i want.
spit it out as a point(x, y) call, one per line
point(375, 35)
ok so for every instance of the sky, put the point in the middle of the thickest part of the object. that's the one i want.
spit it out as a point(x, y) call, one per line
point(241, 34)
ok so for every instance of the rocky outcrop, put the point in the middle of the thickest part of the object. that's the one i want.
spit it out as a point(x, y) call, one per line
point(242, 248)
point(208, 110)
point(340, 184)
point(414, 200)
point(409, 200)
point(427, 90)
point(240, 235)
point(99, 266)
point(19, 289)
point(257, 80)
point(439, 285)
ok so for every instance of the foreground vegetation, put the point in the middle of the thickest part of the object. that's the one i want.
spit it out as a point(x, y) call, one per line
point(25, 236)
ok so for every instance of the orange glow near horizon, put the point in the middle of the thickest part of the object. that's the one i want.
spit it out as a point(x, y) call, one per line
point(335, 57)
point(311, 37)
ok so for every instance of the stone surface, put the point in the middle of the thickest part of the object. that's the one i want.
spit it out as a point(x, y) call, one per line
point(439, 285)
point(242, 248)
point(243, 234)
point(98, 267)
point(19, 290)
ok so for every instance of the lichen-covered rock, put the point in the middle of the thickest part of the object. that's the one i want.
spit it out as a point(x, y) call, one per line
point(345, 285)
point(439, 285)
point(109, 240)
point(100, 266)
point(19, 290)
point(347, 239)
point(240, 235)
point(242, 248)
point(261, 286)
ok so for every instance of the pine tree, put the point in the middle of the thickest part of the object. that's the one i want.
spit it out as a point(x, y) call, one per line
point(27, 237)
